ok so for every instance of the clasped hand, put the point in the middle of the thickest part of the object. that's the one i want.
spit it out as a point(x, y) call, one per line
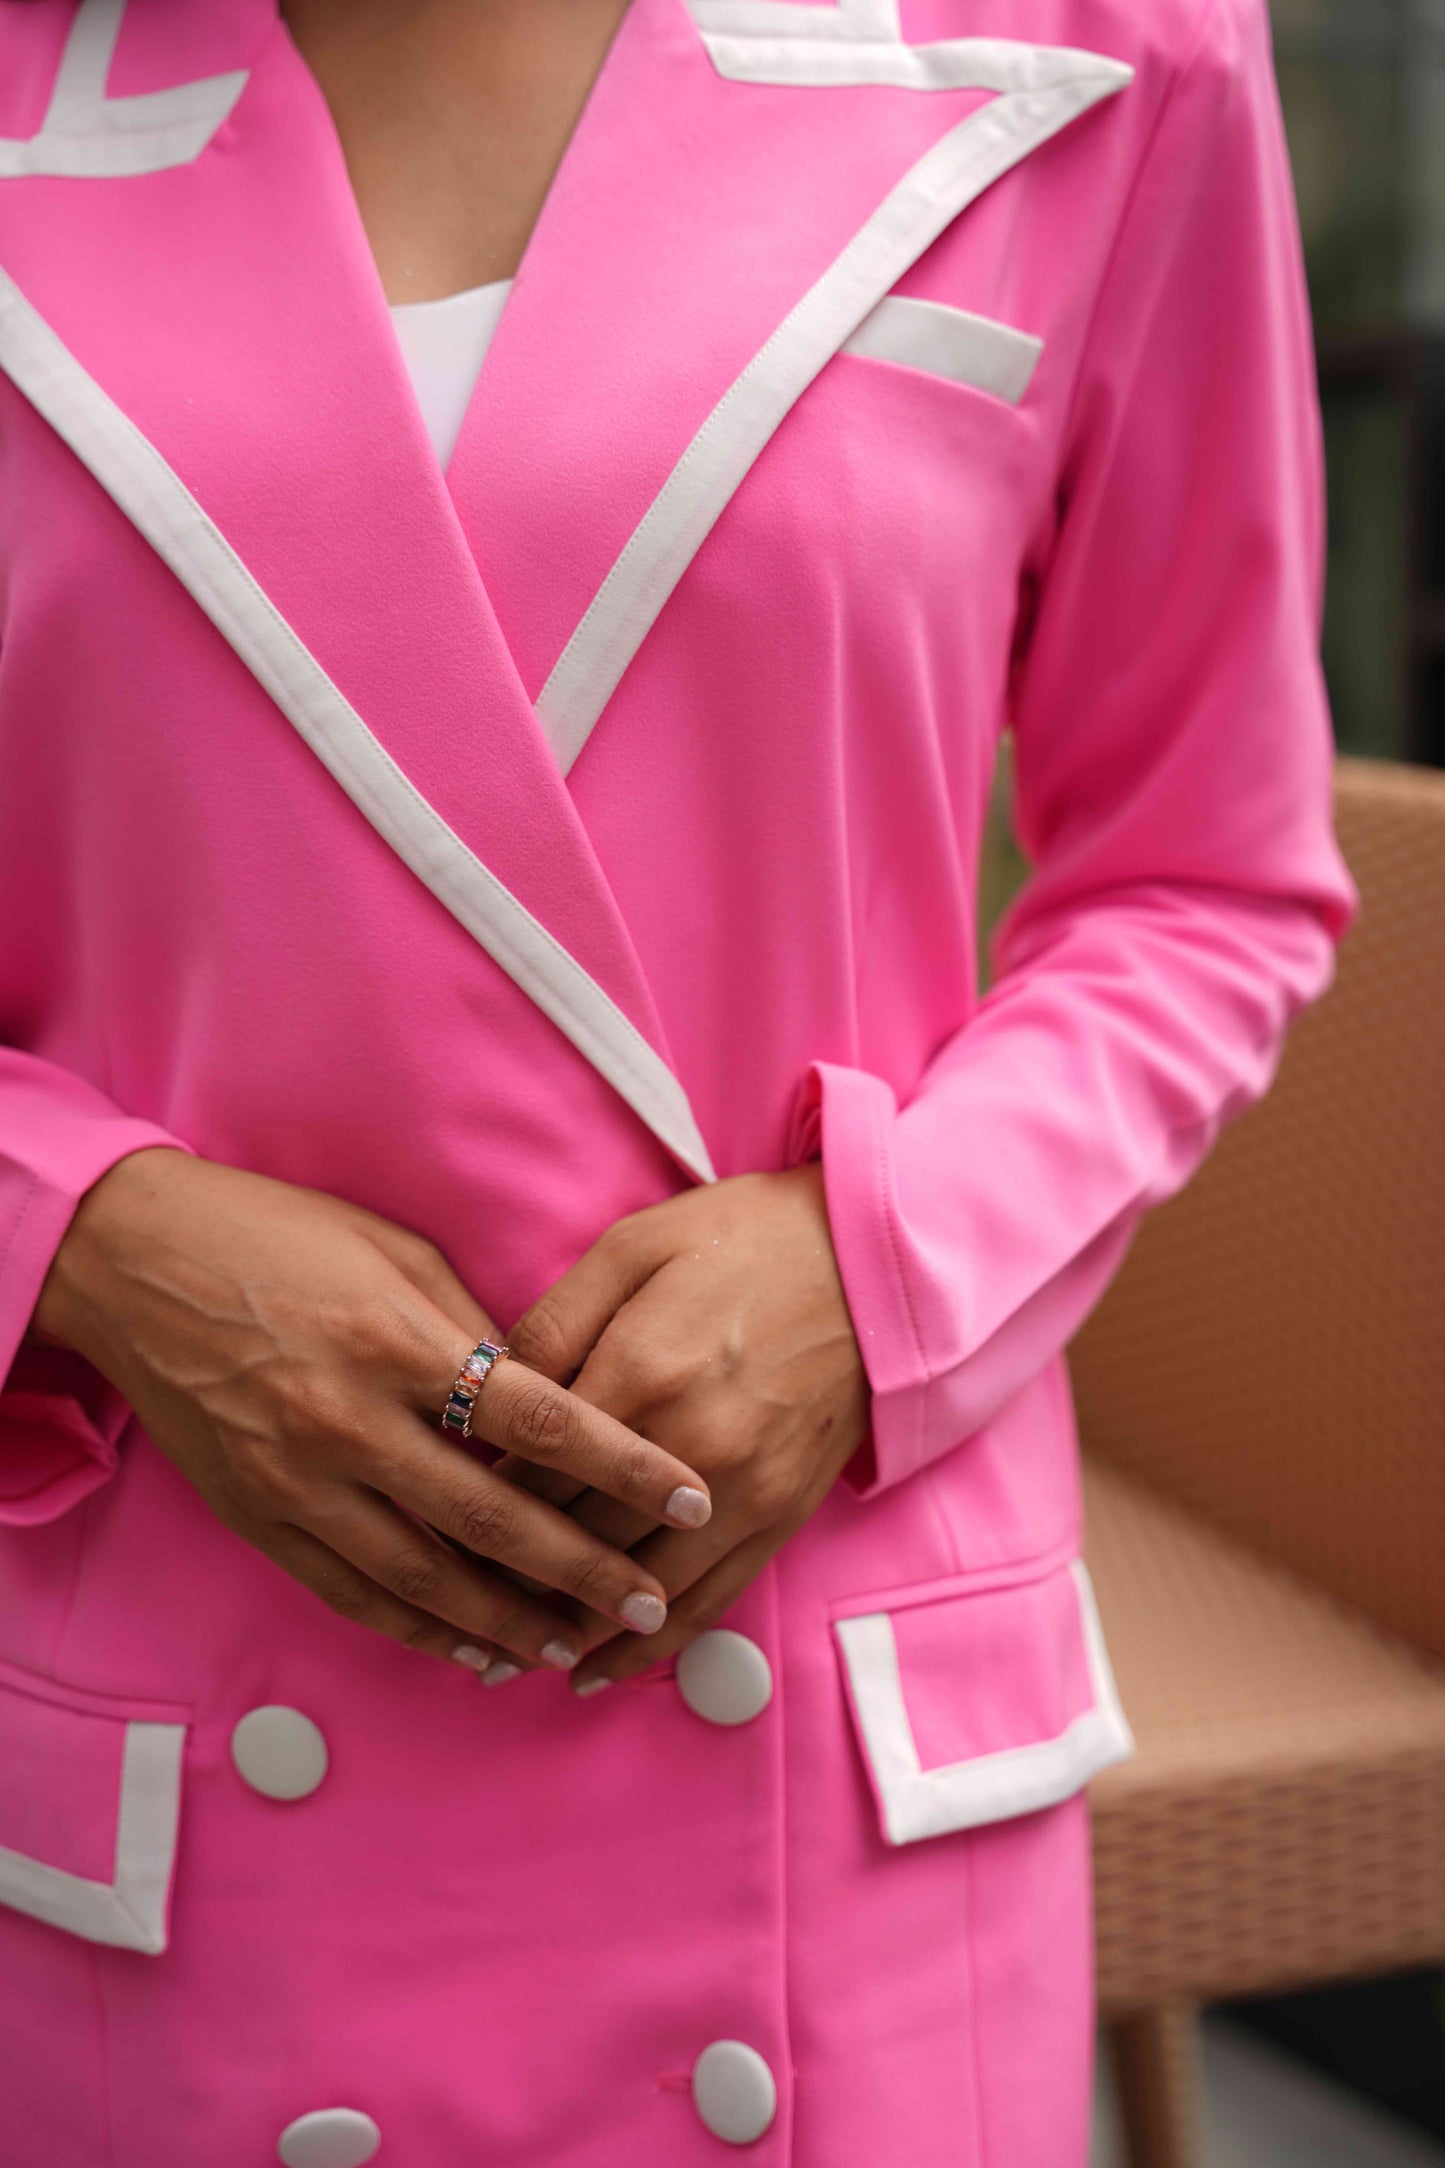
point(680, 1402)
point(714, 1325)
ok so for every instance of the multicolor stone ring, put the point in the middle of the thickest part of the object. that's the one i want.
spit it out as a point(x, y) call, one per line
point(473, 1375)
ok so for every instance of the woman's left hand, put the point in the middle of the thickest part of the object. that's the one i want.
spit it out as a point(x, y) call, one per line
point(714, 1324)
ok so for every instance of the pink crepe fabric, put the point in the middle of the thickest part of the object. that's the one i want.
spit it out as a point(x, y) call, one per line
point(507, 1924)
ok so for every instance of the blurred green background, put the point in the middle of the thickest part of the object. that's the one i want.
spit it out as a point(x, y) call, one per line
point(1363, 88)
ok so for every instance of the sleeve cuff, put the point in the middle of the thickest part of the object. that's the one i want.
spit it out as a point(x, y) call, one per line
point(60, 1421)
point(846, 1117)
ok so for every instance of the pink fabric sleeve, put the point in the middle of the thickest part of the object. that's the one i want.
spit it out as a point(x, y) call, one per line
point(59, 1420)
point(1173, 770)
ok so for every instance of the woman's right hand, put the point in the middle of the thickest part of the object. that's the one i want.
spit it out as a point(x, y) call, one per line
point(290, 1353)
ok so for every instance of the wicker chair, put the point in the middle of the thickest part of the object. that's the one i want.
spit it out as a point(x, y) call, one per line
point(1262, 1399)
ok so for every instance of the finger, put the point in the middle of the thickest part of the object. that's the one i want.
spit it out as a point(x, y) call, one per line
point(708, 1600)
point(679, 1562)
point(558, 1332)
point(633, 1370)
point(614, 1524)
point(543, 1423)
point(492, 1519)
point(549, 1483)
point(371, 1534)
point(351, 1595)
point(618, 1525)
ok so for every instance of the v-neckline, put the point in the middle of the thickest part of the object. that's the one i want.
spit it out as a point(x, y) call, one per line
point(575, 133)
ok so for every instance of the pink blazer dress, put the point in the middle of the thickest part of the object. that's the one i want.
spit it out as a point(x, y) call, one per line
point(506, 851)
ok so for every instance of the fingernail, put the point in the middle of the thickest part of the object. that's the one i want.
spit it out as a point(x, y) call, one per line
point(500, 1671)
point(688, 1507)
point(474, 1659)
point(643, 1613)
point(590, 1686)
point(559, 1656)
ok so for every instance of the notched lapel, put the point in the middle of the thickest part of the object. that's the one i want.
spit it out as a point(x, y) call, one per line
point(748, 181)
point(211, 339)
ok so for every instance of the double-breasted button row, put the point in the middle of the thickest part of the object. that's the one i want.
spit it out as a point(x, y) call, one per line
point(722, 1676)
point(280, 1752)
point(732, 2089)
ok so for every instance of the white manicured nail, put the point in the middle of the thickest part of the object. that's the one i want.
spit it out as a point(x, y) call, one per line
point(501, 1670)
point(474, 1659)
point(559, 1656)
point(643, 1613)
point(688, 1507)
point(591, 1686)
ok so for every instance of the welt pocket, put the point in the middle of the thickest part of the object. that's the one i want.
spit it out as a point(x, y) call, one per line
point(939, 340)
point(982, 1701)
point(90, 1795)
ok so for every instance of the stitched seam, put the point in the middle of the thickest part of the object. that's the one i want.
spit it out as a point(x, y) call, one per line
point(103, 2047)
point(782, 1765)
point(975, 2060)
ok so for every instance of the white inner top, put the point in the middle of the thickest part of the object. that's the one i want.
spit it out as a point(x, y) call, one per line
point(444, 344)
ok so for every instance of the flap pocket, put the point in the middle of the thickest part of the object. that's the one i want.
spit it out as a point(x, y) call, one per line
point(944, 341)
point(90, 1795)
point(977, 1705)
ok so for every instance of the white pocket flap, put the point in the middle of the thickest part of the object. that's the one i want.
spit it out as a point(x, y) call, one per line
point(944, 341)
point(90, 1795)
point(977, 1705)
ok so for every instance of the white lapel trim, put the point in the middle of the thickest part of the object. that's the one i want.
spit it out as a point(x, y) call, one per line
point(156, 501)
point(861, 42)
point(87, 136)
point(940, 340)
point(920, 1802)
point(945, 180)
point(128, 1913)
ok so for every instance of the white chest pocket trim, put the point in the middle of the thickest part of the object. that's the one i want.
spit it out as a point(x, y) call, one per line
point(87, 136)
point(950, 175)
point(944, 341)
point(128, 1912)
point(993, 1787)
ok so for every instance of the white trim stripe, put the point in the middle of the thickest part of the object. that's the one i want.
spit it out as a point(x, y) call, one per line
point(861, 42)
point(160, 506)
point(87, 136)
point(128, 1913)
point(918, 1802)
point(944, 181)
point(940, 340)
point(848, 22)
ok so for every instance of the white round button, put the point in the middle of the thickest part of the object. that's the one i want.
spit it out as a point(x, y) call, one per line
point(329, 2138)
point(733, 2091)
point(725, 1677)
point(280, 1752)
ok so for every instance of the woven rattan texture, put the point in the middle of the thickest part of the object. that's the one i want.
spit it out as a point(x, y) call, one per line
point(1273, 1350)
point(1284, 1820)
